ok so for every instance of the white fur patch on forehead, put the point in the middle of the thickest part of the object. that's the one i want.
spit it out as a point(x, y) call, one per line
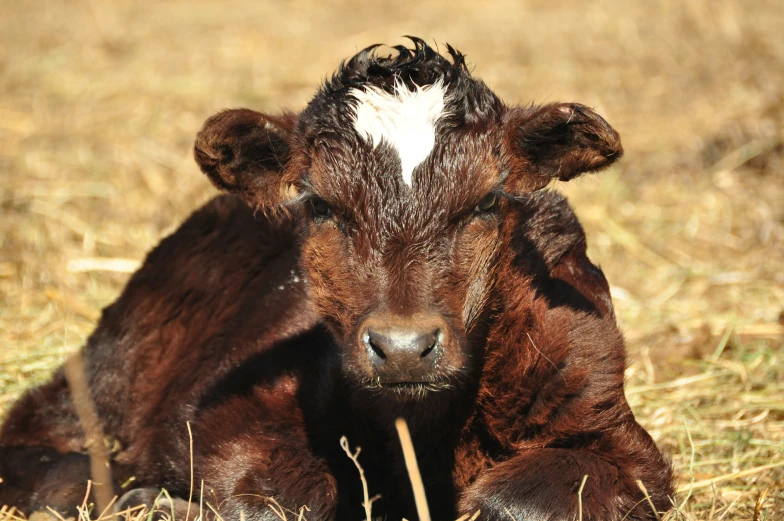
point(405, 119)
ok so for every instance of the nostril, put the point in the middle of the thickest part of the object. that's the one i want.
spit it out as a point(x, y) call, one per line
point(432, 341)
point(374, 346)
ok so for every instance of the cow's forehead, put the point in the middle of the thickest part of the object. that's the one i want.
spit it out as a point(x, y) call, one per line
point(363, 179)
point(407, 138)
point(413, 128)
point(404, 119)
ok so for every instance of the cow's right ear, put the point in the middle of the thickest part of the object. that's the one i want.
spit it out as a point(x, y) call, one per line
point(248, 153)
point(557, 141)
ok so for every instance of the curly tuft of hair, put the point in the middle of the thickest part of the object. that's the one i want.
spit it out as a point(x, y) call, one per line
point(420, 65)
point(469, 100)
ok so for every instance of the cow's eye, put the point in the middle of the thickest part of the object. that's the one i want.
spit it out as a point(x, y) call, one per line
point(320, 208)
point(487, 204)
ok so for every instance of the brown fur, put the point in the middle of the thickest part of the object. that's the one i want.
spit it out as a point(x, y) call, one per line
point(248, 325)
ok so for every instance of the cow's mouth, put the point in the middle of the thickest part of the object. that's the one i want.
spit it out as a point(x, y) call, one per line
point(409, 390)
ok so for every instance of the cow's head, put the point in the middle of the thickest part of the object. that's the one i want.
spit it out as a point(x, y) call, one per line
point(402, 170)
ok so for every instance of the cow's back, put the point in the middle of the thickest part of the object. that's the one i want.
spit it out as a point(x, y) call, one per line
point(222, 288)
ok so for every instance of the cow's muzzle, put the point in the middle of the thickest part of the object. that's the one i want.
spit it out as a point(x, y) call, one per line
point(403, 350)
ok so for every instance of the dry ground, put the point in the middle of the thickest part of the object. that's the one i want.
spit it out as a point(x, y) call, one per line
point(100, 101)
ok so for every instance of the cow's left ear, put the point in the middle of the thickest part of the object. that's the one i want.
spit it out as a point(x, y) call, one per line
point(558, 141)
point(249, 153)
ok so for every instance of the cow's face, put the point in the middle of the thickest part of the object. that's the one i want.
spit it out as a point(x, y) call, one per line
point(402, 171)
point(403, 230)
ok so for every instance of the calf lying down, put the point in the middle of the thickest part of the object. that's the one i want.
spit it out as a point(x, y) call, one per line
point(385, 253)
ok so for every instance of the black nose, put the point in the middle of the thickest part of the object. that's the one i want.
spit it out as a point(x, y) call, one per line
point(403, 354)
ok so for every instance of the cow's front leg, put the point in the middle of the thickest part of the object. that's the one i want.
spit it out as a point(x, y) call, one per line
point(259, 494)
point(275, 467)
point(544, 485)
point(250, 478)
point(251, 500)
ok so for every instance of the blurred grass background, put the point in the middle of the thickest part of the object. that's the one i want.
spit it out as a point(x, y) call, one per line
point(100, 102)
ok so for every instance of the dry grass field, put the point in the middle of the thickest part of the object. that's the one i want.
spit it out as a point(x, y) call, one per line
point(100, 102)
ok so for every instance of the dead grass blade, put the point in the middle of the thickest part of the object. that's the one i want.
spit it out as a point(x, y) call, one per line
point(648, 498)
point(413, 469)
point(580, 498)
point(88, 417)
point(367, 502)
point(472, 517)
point(732, 475)
point(190, 452)
point(761, 497)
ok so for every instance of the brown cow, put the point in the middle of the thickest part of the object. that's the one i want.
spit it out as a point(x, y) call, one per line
point(387, 254)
